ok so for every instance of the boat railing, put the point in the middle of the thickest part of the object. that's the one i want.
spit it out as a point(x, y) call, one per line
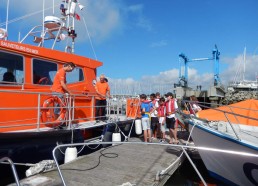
point(16, 177)
point(116, 106)
point(30, 32)
point(226, 113)
point(184, 149)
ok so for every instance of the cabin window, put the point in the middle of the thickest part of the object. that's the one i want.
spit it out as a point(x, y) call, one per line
point(75, 76)
point(11, 69)
point(43, 72)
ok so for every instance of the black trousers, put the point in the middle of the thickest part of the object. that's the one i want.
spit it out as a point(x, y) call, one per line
point(101, 109)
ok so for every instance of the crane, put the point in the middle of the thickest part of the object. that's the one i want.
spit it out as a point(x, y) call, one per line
point(183, 79)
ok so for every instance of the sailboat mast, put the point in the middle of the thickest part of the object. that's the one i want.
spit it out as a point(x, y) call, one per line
point(244, 64)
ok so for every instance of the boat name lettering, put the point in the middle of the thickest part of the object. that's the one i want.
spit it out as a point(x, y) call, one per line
point(18, 47)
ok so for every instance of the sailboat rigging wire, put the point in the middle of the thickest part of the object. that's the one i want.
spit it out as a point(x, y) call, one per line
point(25, 16)
point(89, 36)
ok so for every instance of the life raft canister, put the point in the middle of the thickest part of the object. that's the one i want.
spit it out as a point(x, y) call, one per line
point(48, 117)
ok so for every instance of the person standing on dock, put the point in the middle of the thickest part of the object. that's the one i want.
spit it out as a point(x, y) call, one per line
point(162, 118)
point(59, 87)
point(171, 106)
point(193, 106)
point(158, 129)
point(145, 112)
point(154, 116)
point(103, 90)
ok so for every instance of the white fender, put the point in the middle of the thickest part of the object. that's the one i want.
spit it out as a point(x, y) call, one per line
point(70, 154)
point(116, 137)
point(138, 126)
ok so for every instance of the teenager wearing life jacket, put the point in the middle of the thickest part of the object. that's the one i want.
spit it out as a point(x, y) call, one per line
point(158, 129)
point(162, 118)
point(154, 116)
point(194, 107)
point(171, 106)
point(145, 112)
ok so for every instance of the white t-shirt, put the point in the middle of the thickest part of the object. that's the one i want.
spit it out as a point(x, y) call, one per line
point(155, 113)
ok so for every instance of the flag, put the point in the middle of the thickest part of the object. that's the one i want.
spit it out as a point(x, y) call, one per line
point(77, 17)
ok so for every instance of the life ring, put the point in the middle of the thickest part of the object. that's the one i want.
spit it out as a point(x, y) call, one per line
point(47, 114)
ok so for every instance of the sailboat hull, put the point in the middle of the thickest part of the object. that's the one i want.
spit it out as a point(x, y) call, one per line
point(232, 169)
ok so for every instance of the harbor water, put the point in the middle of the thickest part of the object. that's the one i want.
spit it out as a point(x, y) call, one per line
point(185, 175)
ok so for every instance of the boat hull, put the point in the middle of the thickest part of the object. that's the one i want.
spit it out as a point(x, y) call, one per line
point(230, 168)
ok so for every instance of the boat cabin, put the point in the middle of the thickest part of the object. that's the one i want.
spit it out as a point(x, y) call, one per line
point(26, 77)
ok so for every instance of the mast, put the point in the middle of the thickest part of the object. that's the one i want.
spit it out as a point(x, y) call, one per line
point(244, 64)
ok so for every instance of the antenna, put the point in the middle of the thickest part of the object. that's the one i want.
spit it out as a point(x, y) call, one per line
point(43, 27)
point(53, 7)
point(7, 13)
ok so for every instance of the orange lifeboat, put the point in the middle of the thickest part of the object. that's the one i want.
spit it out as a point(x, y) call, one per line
point(47, 114)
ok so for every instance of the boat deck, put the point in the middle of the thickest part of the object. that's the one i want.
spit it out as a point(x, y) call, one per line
point(119, 119)
point(122, 164)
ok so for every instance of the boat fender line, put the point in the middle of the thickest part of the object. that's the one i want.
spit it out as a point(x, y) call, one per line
point(42, 166)
point(49, 119)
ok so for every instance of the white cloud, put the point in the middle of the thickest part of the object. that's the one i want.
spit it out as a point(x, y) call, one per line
point(141, 20)
point(136, 8)
point(103, 18)
point(235, 71)
point(165, 80)
point(144, 23)
point(159, 44)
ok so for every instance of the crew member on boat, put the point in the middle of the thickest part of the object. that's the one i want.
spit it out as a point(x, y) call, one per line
point(103, 90)
point(59, 86)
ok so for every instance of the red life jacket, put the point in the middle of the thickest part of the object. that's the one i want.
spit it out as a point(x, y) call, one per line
point(162, 111)
point(170, 107)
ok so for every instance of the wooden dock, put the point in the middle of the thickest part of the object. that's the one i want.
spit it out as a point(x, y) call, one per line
point(123, 164)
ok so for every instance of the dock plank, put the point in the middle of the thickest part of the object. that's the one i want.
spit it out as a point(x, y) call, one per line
point(136, 164)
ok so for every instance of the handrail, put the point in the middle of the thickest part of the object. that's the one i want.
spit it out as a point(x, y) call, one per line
point(183, 147)
point(232, 127)
point(114, 107)
point(232, 113)
point(226, 113)
point(13, 169)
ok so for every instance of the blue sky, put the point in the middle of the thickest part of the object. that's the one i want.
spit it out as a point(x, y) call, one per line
point(139, 40)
